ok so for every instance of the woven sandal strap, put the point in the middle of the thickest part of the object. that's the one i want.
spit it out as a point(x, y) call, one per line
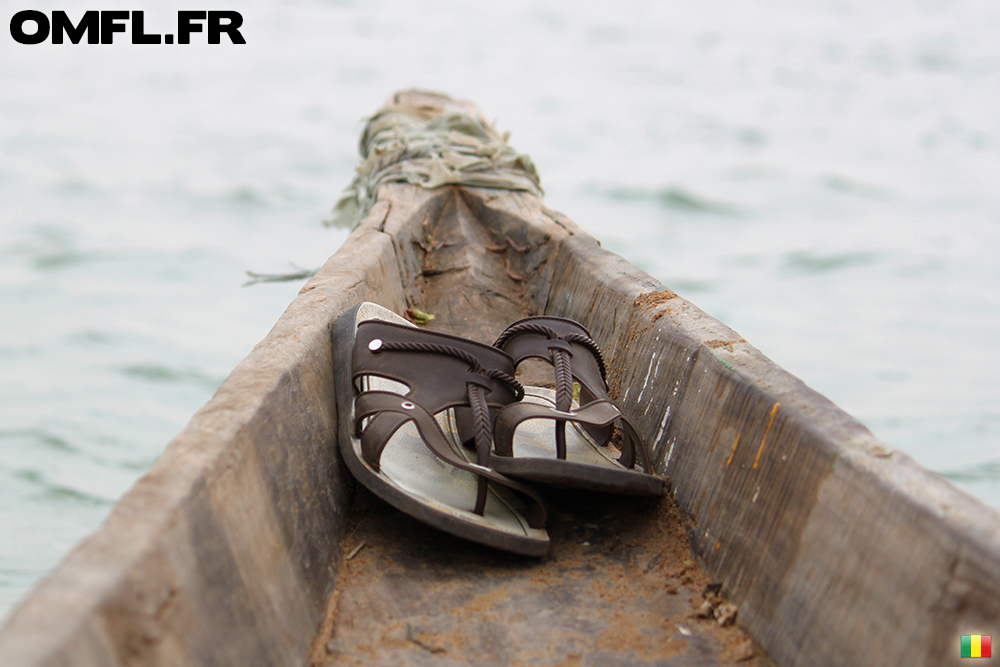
point(574, 356)
point(529, 326)
point(483, 436)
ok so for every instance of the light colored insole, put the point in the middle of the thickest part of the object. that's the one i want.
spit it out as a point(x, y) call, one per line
point(408, 463)
point(535, 438)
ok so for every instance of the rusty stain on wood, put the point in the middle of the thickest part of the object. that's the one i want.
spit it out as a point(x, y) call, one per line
point(716, 344)
point(732, 453)
point(770, 422)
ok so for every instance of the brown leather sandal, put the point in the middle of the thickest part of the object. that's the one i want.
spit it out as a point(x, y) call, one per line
point(528, 446)
point(407, 400)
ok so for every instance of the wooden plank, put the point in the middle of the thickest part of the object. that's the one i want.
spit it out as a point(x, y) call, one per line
point(837, 548)
point(223, 552)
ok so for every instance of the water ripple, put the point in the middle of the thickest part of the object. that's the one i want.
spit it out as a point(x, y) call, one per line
point(161, 374)
point(978, 472)
point(855, 187)
point(41, 438)
point(676, 198)
point(49, 491)
point(809, 261)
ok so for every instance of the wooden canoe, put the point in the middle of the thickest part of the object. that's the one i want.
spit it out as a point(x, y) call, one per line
point(247, 543)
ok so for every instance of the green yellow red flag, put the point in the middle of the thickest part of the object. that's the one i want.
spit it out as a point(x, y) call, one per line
point(976, 646)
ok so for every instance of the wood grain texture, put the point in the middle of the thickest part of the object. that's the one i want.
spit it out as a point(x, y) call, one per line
point(223, 552)
point(838, 549)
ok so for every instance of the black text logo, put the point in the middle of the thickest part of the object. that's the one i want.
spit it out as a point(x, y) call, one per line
point(99, 27)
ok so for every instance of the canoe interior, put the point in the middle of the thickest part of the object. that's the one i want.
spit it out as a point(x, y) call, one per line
point(618, 584)
point(240, 546)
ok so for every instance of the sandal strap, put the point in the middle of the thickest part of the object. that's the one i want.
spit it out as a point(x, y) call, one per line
point(539, 325)
point(475, 366)
point(436, 367)
point(574, 356)
point(442, 372)
point(599, 414)
point(632, 442)
point(378, 404)
point(559, 340)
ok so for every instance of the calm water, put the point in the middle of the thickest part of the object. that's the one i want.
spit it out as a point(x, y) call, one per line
point(824, 177)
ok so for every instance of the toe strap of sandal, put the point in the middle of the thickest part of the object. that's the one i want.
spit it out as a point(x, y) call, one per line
point(388, 411)
point(567, 346)
point(596, 415)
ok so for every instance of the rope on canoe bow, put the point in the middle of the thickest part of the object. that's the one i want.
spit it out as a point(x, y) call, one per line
point(432, 145)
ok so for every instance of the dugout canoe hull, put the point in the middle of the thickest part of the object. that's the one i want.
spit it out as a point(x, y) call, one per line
point(836, 548)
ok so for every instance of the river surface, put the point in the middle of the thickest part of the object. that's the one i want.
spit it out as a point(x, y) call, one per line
point(823, 176)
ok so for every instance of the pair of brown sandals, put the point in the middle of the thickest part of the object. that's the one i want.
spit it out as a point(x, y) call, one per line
point(439, 427)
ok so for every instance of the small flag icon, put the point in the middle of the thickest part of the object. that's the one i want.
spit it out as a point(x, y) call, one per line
point(976, 646)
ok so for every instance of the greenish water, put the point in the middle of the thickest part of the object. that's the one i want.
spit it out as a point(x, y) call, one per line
point(820, 176)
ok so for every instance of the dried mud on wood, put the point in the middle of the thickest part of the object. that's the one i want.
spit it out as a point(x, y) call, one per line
point(652, 300)
point(618, 587)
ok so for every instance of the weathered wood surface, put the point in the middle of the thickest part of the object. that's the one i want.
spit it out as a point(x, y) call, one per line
point(837, 549)
point(223, 553)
